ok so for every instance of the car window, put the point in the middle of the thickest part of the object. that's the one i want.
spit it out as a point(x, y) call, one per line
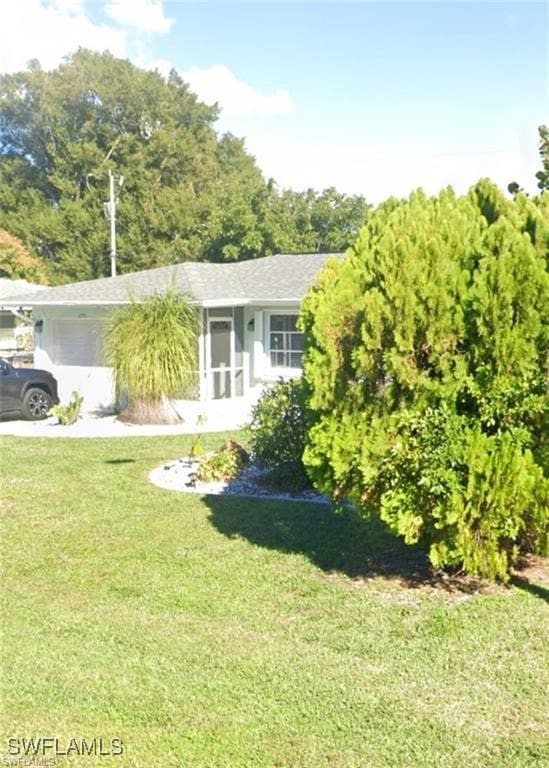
point(4, 367)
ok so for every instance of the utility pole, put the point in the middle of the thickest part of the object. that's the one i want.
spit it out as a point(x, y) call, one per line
point(110, 213)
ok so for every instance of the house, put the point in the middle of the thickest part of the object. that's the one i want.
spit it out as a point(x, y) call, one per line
point(13, 322)
point(248, 334)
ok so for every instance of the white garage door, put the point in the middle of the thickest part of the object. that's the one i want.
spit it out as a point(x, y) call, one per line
point(77, 341)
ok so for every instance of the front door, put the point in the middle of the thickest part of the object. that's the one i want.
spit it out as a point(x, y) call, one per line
point(220, 357)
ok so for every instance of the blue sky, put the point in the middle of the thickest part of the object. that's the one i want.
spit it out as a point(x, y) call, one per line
point(372, 98)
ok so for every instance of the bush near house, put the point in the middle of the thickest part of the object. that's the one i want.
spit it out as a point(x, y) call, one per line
point(70, 413)
point(278, 431)
point(427, 355)
point(224, 464)
point(152, 347)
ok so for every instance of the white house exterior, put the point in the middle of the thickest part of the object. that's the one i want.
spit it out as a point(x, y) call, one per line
point(248, 335)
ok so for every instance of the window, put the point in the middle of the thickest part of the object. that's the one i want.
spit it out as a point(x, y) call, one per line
point(285, 342)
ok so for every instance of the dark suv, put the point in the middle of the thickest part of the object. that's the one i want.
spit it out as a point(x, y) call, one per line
point(28, 391)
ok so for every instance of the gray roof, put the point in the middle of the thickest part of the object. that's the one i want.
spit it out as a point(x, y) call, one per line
point(9, 288)
point(269, 280)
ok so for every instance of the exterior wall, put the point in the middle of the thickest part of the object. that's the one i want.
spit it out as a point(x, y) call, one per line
point(68, 343)
point(75, 362)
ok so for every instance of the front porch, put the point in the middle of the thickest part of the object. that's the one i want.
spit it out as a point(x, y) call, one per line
point(244, 348)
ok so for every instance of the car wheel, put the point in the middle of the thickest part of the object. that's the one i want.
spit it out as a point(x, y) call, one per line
point(36, 404)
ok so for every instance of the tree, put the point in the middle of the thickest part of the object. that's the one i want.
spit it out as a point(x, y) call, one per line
point(427, 353)
point(62, 131)
point(543, 175)
point(153, 349)
point(17, 263)
point(315, 222)
point(514, 188)
point(188, 194)
point(237, 218)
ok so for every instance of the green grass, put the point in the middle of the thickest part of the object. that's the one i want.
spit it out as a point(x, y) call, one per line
point(223, 632)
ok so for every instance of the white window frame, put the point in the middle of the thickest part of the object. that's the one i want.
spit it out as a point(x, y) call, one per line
point(276, 371)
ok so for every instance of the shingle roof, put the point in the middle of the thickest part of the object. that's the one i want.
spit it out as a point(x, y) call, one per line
point(9, 288)
point(270, 279)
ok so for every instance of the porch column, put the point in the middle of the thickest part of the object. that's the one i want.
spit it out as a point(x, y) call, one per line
point(202, 383)
point(259, 352)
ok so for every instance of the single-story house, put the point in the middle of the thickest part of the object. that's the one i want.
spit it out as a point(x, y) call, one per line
point(248, 334)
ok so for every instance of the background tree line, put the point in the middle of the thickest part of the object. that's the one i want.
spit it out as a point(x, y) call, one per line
point(188, 194)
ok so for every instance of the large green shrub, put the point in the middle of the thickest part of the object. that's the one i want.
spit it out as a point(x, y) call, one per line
point(427, 364)
point(278, 431)
point(152, 347)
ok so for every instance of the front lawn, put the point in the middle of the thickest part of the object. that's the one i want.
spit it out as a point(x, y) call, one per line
point(217, 632)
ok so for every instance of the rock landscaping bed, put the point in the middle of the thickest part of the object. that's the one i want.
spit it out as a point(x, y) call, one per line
point(181, 475)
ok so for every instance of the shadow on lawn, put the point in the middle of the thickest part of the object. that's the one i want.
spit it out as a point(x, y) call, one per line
point(333, 540)
point(532, 576)
point(341, 541)
point(534, 589)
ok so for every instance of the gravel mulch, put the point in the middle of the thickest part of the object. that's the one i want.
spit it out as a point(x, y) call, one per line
point(180, 475)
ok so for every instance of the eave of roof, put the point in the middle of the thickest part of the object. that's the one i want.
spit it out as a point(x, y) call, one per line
point(230, 302)
point(278, 279)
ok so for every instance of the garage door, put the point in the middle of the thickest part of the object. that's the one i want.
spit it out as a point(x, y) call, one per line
point(77, 341)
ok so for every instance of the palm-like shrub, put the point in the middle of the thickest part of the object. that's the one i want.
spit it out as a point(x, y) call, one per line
point(153, 349)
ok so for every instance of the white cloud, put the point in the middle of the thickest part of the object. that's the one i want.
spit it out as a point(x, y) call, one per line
point(48, 30)
point(144, 15)
point(235, 97)
point(33, 29)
